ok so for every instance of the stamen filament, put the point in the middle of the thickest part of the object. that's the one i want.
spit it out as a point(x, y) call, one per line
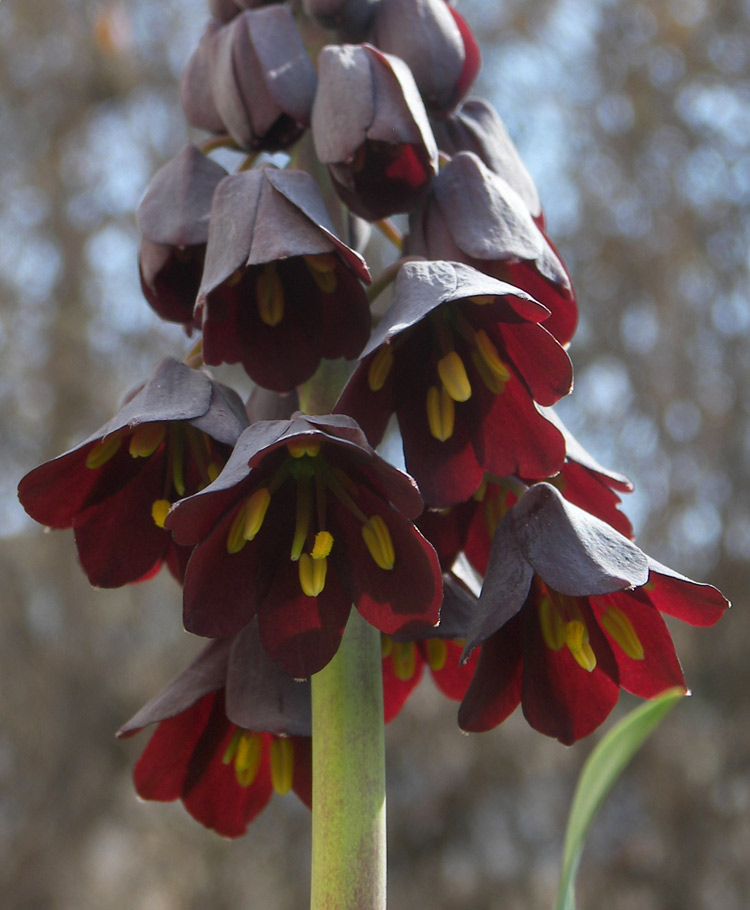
point(304, 512)
point(282, 765)
point(177, 456)
point(378, 540)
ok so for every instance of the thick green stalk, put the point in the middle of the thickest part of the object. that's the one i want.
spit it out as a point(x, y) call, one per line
point(348, 799)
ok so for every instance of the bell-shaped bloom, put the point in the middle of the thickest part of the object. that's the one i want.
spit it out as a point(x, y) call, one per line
point(476, 127)
point(232, 729)
point(433, 39)
point(463, 361)
point(570, 612)
point(252, 79)
point(370, 127)
point(473, 215)
point(304, 521)
point(173, 220)
point(280, 291)
point(115, 488)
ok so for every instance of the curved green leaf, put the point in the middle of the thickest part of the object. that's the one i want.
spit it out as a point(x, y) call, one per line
point(602, 768)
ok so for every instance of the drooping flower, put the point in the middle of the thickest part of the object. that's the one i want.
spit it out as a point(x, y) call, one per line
point(570, 612)
point(304, 521)
point(232, 730)
point(472, 215)
point(463, 361)
point(115, 488)
point(279, 291)
point(371, 129)
point(173, 220)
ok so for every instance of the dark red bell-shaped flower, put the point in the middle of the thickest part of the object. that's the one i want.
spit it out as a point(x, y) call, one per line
point(280, 291)
point(232, 730)
point(570, 612)
point(473, 215)
point(433, 39)
point(173, 220)
point(115, 488)
point(304, 521)
point(370, 127)
point(462, 360)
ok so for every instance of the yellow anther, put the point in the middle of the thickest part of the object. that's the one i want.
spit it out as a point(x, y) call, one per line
point(437, 653)
point(323, 545)
point(577, 640)
point(494, 509)
point(553, 627)
point(386, 646)
point(378, 539)
point(452, 374)
point(102, 451)
point(441, 413)
point(380, 367)
point(236, 539)
point(322, 269)
point(235, 278)
point(282, 765)
point(490, 356)
point(159, 510)
point(270, 295)
point(302, 523)
point(247, 757)
point(302, 446)
point(480, 491)
point(213, 471)
point(312, 574)
point(621, 630)
point(231, 749)
point(482, 299)
point(255, 512)
point(494, 384)
point(146, 439)
point(404, 657)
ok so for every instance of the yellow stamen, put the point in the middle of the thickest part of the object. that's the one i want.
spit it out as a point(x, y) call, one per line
point(553, 627)
point(494, 384)
point(302, 446)
point(282, 765)
point(437, 653)
point(378, 539)
point(247, 758)
point(235, 278)
point(380, 367)
point(177, 456)
point(452, 374)
point(213, 471)
point(481, 490)
point(102, 451)
point(302, 523)
point(404, 659)
point(146, 439)
point(386, 645)
point(312, 574)
point(441, 413)
point(490, 356)
point(159, 510)
point(323, 545)
point(231, 749)
point(577, 640)
point(270, 295)
point(322, 269)
point(621, 629)
point(236, 539)
point(255, 512)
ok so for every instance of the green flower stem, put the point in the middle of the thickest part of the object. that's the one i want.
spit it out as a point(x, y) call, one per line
point(348, 797)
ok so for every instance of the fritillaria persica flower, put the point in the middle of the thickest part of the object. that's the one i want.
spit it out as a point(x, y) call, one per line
point(279, 289)
point(570, 612)
point(462, 360)
point(473, 215)
point(173, 219)
point(232, 730)
point(371, 128)
point(115, 488)
point(304, 521)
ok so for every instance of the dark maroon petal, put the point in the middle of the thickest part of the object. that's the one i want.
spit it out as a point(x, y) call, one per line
point(170, 278)
point(540, 359)
point(659, 669)
point(453, 678)
point(548, 282)
point(372, 410)
point(688, 600)
point(495, 689)
point(559, 697)
point(302, 633)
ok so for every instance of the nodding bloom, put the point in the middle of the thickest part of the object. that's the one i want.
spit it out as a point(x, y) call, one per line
point(473, 215)
point(232, 730)
point(371, 129)
point(304, 521)
point(570, 612)
point(462, 361)
point(279, 290)
point(115, 488)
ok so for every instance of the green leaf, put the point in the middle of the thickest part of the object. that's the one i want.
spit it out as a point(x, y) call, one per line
point(602, 768)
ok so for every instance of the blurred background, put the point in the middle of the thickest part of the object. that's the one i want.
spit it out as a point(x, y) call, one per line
point(634, 119)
